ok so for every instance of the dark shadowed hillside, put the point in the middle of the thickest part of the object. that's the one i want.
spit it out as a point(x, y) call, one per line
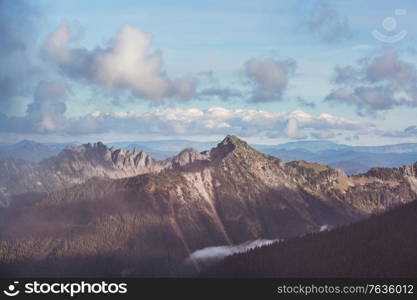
point(381, 246)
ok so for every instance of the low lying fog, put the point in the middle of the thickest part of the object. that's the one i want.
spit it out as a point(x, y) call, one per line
point(210, 255)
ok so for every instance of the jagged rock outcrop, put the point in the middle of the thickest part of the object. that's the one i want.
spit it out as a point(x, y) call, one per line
point(186, 157)
point(374, 191)
point(146, 225)
point(73, 165)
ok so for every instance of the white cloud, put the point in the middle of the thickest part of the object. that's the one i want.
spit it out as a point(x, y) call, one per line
point(46, 114)
point(291, 129)
point(176, 121)
point(127, 62)
point(215, 120)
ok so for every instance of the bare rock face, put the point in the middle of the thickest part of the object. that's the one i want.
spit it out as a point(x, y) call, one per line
point(97, 160)
point(134, 216)
point(73, 165)
point(410, 174)
point(186, 157)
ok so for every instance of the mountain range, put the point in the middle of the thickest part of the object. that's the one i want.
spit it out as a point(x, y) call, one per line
point(99, 211)
point(71, 166)
point(351, 159)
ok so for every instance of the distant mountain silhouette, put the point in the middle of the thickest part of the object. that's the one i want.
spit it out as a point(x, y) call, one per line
point(29, 150)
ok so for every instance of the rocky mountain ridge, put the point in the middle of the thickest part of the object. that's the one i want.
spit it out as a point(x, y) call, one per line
point(73, 165)
point(148, 224)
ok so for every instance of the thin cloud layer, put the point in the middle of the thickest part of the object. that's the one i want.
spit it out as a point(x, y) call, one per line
point(326, 23)
point(410, 131)
point(47, 115)
point(376, 83)
point(224, 94)
point(303, 102)
point(128, 63)
point(18, 24)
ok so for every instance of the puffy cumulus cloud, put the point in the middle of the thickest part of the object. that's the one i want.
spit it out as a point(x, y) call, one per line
point(127, 63)
point(269, 78)
point(376, 83)
point(45, 114)
point(291, 129)
point(368, 99)
point(389, 67)
point(48, 108)
point(386, 67)
point(326, 23)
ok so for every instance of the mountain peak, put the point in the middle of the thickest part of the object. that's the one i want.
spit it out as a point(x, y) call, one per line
point(97, 145)
point(228, 145)
point(233, 142)
point(232, 139)
point(26, 142)
point(89, 147)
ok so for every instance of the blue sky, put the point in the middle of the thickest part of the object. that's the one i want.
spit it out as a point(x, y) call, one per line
point(268, 71)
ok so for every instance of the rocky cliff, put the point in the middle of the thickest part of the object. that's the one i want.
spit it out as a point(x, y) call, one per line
point(73, 165)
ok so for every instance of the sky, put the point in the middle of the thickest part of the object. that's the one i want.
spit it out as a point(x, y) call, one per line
point(267, 71)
